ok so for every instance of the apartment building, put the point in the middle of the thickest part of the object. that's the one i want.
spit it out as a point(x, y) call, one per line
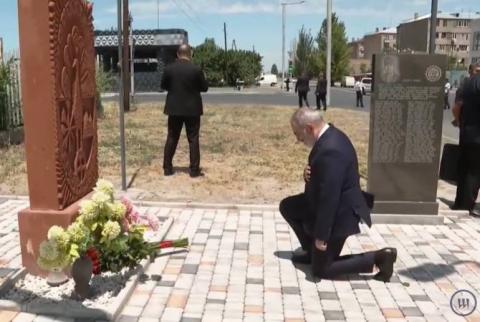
point(475, 44)
point(453, 37)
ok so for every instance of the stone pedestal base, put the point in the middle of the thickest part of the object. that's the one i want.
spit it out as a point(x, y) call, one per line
point(33, 228)
point(405, 208)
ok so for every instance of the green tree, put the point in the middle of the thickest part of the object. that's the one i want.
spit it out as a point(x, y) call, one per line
point(340, 50)
point(305, 53)
point(274, 69)
point(211, 59)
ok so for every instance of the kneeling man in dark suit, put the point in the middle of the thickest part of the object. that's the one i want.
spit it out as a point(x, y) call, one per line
point(332, 205)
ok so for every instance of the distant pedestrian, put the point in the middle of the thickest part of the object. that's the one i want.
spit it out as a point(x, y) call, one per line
point(448, 86)
point(359, 90)
point(302, 87)
point(321, 92)
point(184, 82)
point(287, 82)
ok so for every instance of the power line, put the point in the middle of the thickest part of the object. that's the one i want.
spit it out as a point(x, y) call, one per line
point(192, 20)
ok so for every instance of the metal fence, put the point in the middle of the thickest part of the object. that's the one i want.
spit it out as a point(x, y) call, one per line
point(10, 101)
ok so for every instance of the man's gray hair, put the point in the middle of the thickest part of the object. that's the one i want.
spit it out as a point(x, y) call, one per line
point(304, 116)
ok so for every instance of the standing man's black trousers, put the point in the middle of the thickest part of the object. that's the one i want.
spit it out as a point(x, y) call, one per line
point(447, 101)
point(322, 101)
point(468, 183)
point(303, 96)
point(327, 264)
point(359, 98)
point(192, 126)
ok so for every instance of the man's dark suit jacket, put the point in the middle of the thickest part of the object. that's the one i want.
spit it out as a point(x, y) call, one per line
point(184, 81)
point(303, 84)
point(321, 87)
point(469, 94)
point(336, 201)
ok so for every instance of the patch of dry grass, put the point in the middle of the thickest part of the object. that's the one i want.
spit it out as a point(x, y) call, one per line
point(248, 153)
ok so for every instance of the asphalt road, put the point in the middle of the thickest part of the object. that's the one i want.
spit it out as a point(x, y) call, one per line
point(340, 97)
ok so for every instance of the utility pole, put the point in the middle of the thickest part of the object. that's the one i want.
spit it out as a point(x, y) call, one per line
point(284, 17)
point(433, 27)
point(283, 42)
point(121, 99)
point(126, 55)
point(329, 49)
point(132, 61)
point(226, 54)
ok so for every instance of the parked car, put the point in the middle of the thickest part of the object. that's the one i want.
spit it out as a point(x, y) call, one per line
point(267, 79)
point(367, 84)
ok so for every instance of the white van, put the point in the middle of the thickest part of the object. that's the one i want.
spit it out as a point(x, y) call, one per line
point(267, 80)
point(367, 84)
point(348, 81)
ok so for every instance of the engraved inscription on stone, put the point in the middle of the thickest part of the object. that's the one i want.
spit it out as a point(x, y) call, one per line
point(420, 137)
point(389, 134)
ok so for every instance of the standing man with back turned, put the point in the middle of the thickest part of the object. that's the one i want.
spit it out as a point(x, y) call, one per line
point(184, 82)
point(321, 92)
point(302, 87)
point(332, 205)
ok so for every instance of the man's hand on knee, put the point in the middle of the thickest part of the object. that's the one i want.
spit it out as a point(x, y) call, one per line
point(306, 173)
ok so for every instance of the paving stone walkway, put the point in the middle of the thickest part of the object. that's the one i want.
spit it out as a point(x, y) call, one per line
point(238, 269)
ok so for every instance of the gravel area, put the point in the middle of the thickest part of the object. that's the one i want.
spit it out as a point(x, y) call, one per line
point(35, 290)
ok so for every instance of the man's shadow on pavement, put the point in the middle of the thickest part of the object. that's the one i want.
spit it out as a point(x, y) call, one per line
point(307, 270)
point(430, 272)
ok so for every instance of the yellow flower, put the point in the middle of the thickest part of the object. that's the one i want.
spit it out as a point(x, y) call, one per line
point(48, 250)
point(117, 211)
point(111, 230)
point(106, 187)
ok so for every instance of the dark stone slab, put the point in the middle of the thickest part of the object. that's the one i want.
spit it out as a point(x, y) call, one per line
point(215, 237)
point(290, 290)
point(257, 214)
point(216, 301)
point(406, 121)
point(420, 298)
point(411, 311)
point(419, 256)
point(256, 232)
point(189, 269)
point(333, 315)
point(198, 244)
point(422, 243)
point(203, 231)
point(255, 281)
point(166, 283)
point(328, 295)
point(360, 286)
point(230, 230)
point(241, 246)
point(191, 320)
point(449, 258)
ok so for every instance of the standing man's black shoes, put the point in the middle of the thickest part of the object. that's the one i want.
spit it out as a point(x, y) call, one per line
point(168, 172)
point(475, 213)
point(196, 174)
point(384, 260)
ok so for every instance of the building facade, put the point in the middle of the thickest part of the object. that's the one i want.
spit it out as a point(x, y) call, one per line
point(152, 50)
point(380, 41)
point(475, 43)
point(453, 37)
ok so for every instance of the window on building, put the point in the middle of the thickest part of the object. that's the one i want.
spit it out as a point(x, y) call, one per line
point(444, 35)
point(476, 41)
point(438, 22)
point(463, 48)
point(463, 23)
point(454, 35)
point(436, 35)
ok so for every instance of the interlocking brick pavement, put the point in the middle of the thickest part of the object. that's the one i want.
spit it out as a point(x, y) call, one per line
point(238, 269)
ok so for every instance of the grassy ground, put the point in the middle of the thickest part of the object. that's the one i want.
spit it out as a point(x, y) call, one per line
point(249, 154)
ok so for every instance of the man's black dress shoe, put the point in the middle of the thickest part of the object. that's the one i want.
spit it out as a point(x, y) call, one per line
point(168, 172)
point(196, 174)
point(475, 213)
point(384, 260)
point(302, 257)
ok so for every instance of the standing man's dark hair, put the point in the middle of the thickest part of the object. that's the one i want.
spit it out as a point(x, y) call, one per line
point(184, 81)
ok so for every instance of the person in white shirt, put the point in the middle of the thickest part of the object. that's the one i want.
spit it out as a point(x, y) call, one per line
point(447, 94)
point(359, 90)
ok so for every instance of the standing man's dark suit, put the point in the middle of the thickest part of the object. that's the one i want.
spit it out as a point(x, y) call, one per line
point(184, 82)
point(331, 208)
point(469, 162)
point(321, 93)
point(302, 87)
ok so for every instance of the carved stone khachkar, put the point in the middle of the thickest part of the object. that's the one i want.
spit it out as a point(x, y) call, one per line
point(58, 89)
